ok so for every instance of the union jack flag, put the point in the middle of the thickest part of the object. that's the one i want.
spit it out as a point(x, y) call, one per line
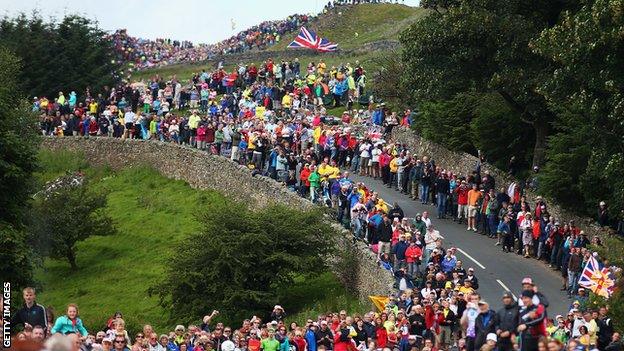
point(308, 39)
point(598, 279)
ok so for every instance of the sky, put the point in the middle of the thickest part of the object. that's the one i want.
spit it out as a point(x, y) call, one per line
point(206, 21)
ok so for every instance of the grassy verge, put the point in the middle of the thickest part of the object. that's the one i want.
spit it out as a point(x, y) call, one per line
point(319, 295)
point(152, 213)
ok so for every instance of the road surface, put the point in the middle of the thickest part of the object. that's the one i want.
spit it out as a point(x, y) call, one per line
point(496, 270)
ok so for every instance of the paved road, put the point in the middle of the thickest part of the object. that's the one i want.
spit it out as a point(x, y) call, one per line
point(497, 271)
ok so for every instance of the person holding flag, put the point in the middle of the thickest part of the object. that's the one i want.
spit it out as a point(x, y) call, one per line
point(598, 279)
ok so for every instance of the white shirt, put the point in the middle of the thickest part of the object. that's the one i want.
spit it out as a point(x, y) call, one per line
point(376, 152)
point(364, 150)
point(427, 221)
point(129, 117)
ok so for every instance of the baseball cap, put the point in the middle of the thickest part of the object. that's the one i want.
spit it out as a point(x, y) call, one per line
point(528, 293)
point(483, 302)
point(527, 280)
point(470, 269)
point(507, 294)
point(491, 336)
point(107, 339)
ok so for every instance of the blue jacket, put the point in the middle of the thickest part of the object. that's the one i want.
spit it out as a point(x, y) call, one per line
point(503, 227)
point(376, 220)
point(399, 249)
point(377, 117)
point(64, 325)
point(310, 338)
point(448, 265)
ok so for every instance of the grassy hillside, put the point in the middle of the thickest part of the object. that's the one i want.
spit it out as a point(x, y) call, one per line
point(354, 26)
point(152, 213)
point(356, 29)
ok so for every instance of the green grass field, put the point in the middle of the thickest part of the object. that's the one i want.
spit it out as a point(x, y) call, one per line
point(152, 213)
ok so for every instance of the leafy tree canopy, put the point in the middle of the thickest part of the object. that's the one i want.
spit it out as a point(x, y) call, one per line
point(19, 144)
point(71, 54)
point(483, 46)
point(586, 159)
point(66, 215)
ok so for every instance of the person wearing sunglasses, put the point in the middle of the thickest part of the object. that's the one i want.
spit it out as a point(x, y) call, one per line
point(119, 344)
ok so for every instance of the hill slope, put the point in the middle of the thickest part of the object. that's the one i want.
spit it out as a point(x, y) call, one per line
point(355, 26)
point(361, 31)
point(152, 214)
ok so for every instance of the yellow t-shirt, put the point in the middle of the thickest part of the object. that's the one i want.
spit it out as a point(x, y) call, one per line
point(394, 167)
point(286, 101)
point(321, 68)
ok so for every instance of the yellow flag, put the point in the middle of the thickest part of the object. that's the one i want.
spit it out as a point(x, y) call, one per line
point(380, 301)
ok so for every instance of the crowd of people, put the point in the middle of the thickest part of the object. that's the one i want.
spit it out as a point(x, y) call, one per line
point(141, 53)
point(437, 317)
point(273, 119)
point(144, 53)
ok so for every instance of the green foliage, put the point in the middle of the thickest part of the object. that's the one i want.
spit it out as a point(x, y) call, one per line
point(242, 261)
point(498, 132)
point(469, 122)
point(16, 256)
point(313, 296)
point(386, 74)
point(483, 46)
point(18, 145)
point(586, 88)
point(72, 54)
point(151, 214)
point(66, 216)
point(447, 122)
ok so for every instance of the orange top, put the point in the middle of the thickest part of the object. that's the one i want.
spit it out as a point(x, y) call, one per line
point(473, 197)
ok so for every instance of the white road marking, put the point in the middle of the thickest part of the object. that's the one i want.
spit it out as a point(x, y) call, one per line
point(506, 288)
point(472, 258)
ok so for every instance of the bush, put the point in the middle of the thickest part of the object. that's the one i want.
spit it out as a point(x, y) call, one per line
point(242, 262)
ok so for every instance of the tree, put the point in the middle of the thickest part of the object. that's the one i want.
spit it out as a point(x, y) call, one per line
point(586, 159)
point(19, 143)
point(498, 132)
point(242, 261)
point(482, 46)
point(445, 122)
point(66, 215)
point(73, 54)
point(387, 68)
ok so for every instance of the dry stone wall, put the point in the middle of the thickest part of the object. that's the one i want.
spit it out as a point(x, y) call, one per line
point(205, 171)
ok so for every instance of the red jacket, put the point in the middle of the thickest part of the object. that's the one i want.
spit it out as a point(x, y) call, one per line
point(432, 319)
point(384, 159)
point(413, 254)
point(300, 343)
point(462, 195)
point(340, 345)
point(305, 174)
point(382, 337)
